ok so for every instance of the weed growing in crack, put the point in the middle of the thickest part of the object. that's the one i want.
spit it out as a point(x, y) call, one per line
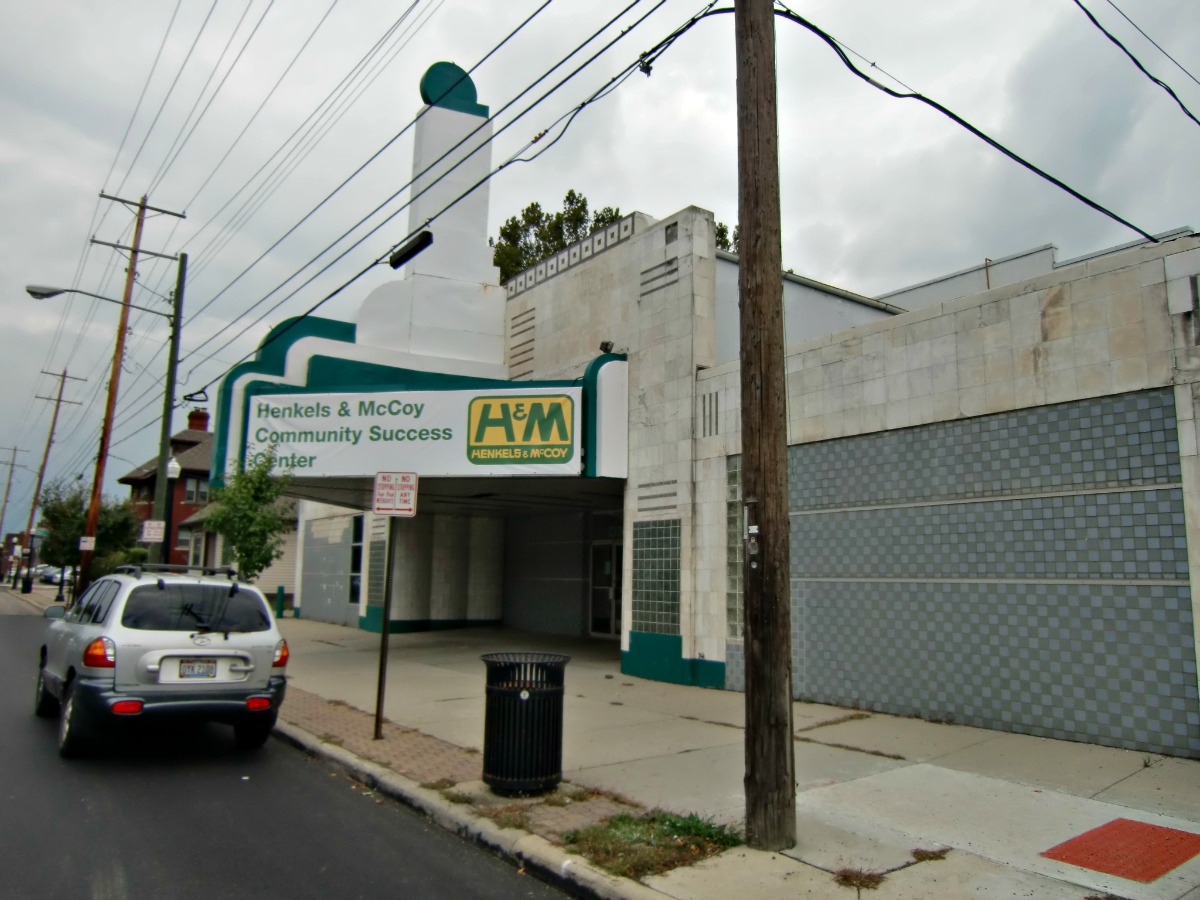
point(930, 855)
point(858, 879)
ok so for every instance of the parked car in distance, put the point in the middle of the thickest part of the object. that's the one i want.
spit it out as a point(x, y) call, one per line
point(157, 642)
point(57, 575)
point(40, 570)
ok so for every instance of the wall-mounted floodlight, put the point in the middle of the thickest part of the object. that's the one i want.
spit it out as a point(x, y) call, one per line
point(410, 248)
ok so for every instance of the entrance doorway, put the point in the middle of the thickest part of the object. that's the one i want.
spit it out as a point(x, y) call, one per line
point(605, 613)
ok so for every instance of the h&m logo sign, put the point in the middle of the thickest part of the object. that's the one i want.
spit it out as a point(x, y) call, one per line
point(511, 428)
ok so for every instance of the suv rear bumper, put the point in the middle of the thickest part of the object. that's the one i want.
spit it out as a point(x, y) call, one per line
point(94, 699)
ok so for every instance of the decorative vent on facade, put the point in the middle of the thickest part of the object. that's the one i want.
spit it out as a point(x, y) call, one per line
point(595, 243)
point(657, 496)
point(710, 414)
point(521, 334)
point(655, 278)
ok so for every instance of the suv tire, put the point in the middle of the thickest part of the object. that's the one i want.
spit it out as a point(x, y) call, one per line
point(71, 740)
point(253, 734)
point(44, 703)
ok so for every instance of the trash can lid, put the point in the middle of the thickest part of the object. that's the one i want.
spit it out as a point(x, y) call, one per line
point(550, 659)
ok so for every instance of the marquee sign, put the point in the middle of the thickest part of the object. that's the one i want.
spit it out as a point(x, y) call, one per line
point(527, 431)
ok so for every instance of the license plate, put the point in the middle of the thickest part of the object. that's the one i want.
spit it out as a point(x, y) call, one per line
point(197, 668)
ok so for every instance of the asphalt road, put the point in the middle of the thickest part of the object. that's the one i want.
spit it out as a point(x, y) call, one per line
point(182, 813)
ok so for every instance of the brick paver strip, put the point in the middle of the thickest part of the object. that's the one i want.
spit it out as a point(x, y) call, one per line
point(429, 760)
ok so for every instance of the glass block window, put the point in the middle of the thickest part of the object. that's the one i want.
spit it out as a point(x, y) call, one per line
point(734, 542)
point(656, 552)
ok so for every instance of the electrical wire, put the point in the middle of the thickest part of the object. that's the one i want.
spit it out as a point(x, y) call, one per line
point(315, 131)
point(170, 158)
point(1162, 84)
point(1153, 41)
point(363, 63)
point(261, 105)
point(167, 98)
point(383, 257)
point(786, 13)
point(372, 158)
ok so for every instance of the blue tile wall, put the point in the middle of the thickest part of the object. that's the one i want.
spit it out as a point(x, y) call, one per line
point(1128, 439)
point(1025, 571)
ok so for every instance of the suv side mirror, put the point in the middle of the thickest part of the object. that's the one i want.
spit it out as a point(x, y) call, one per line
point(55, 611)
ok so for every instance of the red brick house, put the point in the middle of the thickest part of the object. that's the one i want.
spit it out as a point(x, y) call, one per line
point(192, 450)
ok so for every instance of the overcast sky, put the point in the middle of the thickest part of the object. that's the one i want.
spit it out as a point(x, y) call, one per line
point(877, 193)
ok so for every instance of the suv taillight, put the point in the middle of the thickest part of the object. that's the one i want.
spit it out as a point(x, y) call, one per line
point(100, 654)
point(281, 655)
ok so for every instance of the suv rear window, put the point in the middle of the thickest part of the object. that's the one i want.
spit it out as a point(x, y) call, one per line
point(194, 607)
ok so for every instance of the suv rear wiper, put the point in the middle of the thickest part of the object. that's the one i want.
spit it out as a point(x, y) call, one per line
point(204, 627)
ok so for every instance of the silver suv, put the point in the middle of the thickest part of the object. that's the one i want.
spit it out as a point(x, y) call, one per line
point(160, 641)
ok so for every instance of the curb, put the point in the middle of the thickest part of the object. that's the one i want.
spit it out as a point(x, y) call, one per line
point(549, 862)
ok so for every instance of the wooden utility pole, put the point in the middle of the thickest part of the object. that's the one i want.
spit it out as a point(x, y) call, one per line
point(161, 552)
point(37, 491)
point(770, 780)
point(114, 380)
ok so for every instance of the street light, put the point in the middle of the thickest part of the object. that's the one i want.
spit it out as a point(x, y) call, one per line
point(175, 317)
point(173, 470)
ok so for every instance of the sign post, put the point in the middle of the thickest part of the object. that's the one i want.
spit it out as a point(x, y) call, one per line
point(395, 495)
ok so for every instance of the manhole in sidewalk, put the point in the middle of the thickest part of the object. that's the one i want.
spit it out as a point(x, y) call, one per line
point(1128, 849)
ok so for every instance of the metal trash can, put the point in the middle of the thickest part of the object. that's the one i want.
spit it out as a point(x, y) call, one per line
point(523, 722)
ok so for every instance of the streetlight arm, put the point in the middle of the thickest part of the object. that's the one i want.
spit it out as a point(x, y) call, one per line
point(41, 292)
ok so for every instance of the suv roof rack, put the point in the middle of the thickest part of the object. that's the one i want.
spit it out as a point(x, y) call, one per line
point(137, 571)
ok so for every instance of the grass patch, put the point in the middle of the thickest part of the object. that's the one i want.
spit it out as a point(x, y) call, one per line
point(510, 817)
point(930, 855)
point(458, 797)
point(658, 841)
point(331, 739)
point(440, 785)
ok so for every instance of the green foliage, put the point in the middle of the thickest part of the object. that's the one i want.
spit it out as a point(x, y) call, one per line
point(635, 846)
point(245, 513)
point(107, 564)
point(536, 234)
point(63, 508)
point(724, 241)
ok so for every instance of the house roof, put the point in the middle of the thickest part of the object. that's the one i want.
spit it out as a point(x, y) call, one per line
point(192, 449)
point(285, 505)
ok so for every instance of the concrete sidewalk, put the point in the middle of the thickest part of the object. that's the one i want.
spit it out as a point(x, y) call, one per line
point(871, 788)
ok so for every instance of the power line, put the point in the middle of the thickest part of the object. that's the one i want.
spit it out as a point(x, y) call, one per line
point(167, 98)
point(1154, 42)
point(465, 193)
point(954, 117)
point(173, 153)
point(357, 171)
point(307, 142)
point(300, 127)
point(1162, 84)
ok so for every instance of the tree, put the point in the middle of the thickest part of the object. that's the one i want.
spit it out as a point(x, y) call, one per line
point(724, 242)
point(536, 234)
point(64, 514)
point(246, 513)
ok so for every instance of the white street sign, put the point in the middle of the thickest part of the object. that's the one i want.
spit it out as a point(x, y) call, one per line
point(87, 543)
point(154, 531)
point(395, 494)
